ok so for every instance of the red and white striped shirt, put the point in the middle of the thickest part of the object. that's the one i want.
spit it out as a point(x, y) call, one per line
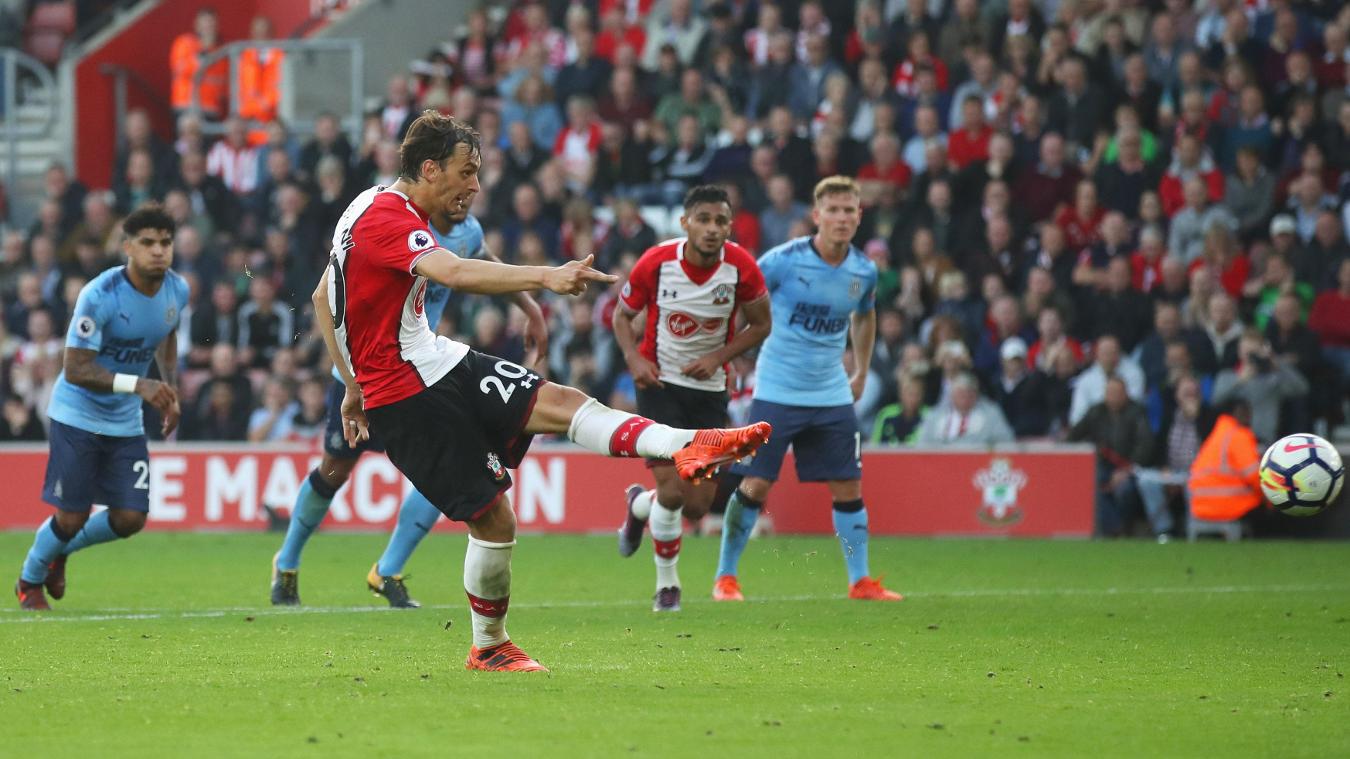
point(377, 301)
point(690, 308)
point(236, 167)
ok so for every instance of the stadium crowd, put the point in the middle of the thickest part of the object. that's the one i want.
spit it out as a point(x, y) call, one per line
point(1058, 194)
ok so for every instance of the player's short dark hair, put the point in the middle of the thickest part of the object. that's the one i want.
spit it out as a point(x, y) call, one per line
point(705, 193)
point(148, 216)
point(433, 136)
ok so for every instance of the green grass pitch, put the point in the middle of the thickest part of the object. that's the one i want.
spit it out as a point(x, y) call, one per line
point(166, 646)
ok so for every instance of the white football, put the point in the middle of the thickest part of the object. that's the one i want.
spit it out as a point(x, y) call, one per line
point(1301, 475)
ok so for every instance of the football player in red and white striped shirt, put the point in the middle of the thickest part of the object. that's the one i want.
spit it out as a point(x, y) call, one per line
point(691, 291)
point(451, 419)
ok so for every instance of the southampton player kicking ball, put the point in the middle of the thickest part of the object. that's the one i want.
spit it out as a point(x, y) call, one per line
point(454, 420)
point(454, 229)
point(822, 290)
point(123, 318)
point(690, 290)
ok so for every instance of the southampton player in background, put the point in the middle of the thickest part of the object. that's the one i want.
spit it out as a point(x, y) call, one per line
point(822, 289)
point(463, 235)
point(690, 290)
point(125, 317)
point(454, 420)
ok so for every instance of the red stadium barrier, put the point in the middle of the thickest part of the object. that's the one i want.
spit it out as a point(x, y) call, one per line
point(1045, 492)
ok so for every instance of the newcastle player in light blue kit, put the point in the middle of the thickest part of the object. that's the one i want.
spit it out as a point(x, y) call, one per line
point(125, 317)
point(822, 292)
point(463, 235)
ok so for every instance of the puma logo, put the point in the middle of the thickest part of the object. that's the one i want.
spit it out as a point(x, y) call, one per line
point(124, 317)
point(805, 282)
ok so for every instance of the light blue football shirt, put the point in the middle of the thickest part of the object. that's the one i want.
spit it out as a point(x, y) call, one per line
point(123, 327)
point(801, 362)
point(465, 240)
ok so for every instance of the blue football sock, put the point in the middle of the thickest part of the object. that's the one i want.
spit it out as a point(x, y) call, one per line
point(415, 518)
point(742, 513)
point(311, 506)
point(850, 525)
point(47, 546)
point(97, 530)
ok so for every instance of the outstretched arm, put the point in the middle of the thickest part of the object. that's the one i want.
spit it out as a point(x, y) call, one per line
point(492, 278)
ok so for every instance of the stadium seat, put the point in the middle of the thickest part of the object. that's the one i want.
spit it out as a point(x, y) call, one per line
point(1231, 531)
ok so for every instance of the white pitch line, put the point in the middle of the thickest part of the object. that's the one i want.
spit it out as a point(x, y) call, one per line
point(17, 616)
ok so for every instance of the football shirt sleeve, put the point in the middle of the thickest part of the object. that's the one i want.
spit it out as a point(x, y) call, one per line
point(87, 323)
point(396, 241)
point(750, 285)
point(637, 291)
point(868, 300)
point(771, 268)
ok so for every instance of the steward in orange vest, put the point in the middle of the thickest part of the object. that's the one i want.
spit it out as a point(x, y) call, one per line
point(260, 78)
point(1225, 483)
point(184, 58)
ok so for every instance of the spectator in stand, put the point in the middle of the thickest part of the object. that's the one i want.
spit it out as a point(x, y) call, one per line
point(271, 421)
point(965, 418)
point(776, 220)
point(137, 186)
point(578, 143)
point(37, 362)
point(328, 140)
point(1108, 363)
point(1225, 478)
point(898, 423)
point(528, 216)
point(885, 168)
point(1330, 320)
point(259, 69)
point(624, 102)
point(309, 420)
point(185, 56)
point(19, 423)
point(1117, 308)
point(1082, 221)
point(970, 142)
point(586, 74)
point(206, 194)
point(1192, 222)
point(678, 27)
point(233, 159)
point(1175, 449)
point(1044, 187)
point(1190, 161)
point(265, 324)
point(213, 323)
point(1265, 382)
point(806, 79)
point(616, 31)
point(629, 235)
point(1167, 329)
point(1020, 391)
point(218, 416)
point(533, 105)
point(1118, 427)
point(96, 224)
point(1249, 192)
point(137, 134)
point(398, 111)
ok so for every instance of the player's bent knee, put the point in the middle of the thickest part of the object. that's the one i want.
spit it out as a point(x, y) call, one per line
point(70, 522)
point(846, 490)
point(756, 487)
point(335, 471)
point(125, 523)
point(497, 524)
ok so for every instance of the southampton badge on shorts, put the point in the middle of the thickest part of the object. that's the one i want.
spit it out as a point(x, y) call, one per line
point(494, 465)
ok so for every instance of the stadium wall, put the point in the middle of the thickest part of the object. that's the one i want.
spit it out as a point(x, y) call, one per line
point(143, 46)
point(1021, 491)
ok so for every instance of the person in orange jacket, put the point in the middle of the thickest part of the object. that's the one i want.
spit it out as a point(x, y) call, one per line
point(185, 57)
point(1225, 482)
point(260, 79)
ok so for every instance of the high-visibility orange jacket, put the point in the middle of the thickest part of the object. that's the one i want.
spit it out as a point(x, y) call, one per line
point(1224, 482)
point(260, 83)
point(215, 85)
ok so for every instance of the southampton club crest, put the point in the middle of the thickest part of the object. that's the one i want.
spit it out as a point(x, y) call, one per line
point(494, 466)
point(999, 483)
point(721, 295)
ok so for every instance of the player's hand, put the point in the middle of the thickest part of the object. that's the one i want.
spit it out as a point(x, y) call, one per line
point(157, 394)
point(572, 277)
point(645, 374)
point(536, 342)
point(170, 422)
point(856, 383)
point(701, 368)
point(355, 428)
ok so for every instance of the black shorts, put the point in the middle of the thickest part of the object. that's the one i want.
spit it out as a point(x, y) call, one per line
point(456, 439)
point(683, 407)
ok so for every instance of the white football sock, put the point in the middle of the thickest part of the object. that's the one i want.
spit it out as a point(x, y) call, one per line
point(595, 424)
point(487, 580)
point(642, 505)
point(666, 526)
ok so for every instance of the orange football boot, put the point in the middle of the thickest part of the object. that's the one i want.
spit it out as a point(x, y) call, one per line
point(504, 657)
point(712, 448)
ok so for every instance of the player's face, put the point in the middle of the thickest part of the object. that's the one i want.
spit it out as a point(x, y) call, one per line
point(150, 252)
point(837, 217)
point(707, 225)
point(457, 182)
